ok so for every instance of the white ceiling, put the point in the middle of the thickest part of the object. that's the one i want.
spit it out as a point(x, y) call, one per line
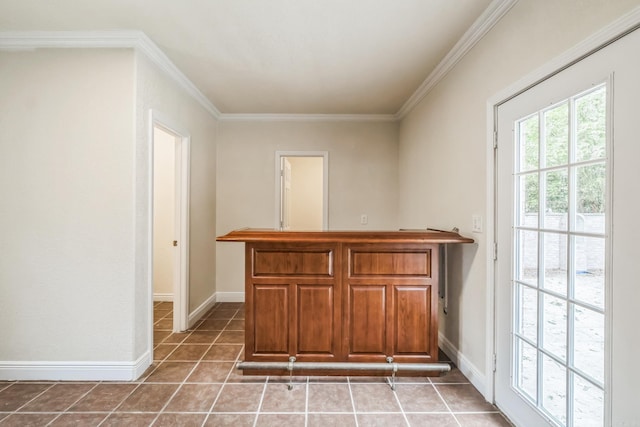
point(279, 56)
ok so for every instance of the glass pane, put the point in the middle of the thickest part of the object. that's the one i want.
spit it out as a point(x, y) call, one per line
point(527, 257)
point(554, 326)
point(591, 125)
point(588, 354)
point(554, 389)
point(528, 313)
point(590, 198)
point(529, 189)
point(529, 143)
point(556, 200)
point(555, 262)
point(527, 366)
point(556, 122)
point(589, 254)
point(588, 404)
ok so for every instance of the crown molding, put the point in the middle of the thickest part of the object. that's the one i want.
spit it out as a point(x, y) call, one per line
point(307, 117)
point(489, 18)
point(30, 40)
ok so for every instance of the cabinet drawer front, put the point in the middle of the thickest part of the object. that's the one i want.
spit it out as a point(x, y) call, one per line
point(292, 262)
point(390, 263)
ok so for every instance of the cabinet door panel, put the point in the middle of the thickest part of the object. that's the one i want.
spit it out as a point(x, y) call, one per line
point(315, 328)
point(367, 319)
point(412, 323)
point(271, 319)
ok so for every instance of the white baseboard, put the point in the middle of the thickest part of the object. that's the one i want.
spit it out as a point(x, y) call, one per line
point(196, 314)
point(469, 370)
point(230, 296)
point(74, 371)
point(163, 297)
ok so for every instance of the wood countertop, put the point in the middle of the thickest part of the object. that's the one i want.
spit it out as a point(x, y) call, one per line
point(399, 236)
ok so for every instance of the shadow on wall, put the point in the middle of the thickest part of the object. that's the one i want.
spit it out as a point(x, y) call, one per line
point(459, 260)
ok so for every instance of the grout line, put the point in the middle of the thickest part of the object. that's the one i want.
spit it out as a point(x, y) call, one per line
point(446, 404)
point(306, 405)
point(76, 401)
point(120, 404)
point(406, 420)
point(264, 390)
point(353, 403)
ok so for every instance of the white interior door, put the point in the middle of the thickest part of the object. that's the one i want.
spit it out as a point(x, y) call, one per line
point(560, 193)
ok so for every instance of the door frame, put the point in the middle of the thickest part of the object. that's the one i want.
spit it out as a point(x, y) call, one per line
point(599, 40)
point(182, 189)
point(325, 183)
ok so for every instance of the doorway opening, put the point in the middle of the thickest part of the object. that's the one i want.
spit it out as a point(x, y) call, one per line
point(302, 182)
point(169, 211)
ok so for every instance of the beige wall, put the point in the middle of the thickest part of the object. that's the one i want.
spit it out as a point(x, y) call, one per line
point(155, 91)
point(443, 150)
point(67, 218)
point(362, 179)
point(75, 165)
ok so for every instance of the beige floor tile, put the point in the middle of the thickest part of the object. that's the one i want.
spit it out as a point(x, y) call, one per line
point(453, 376)
point(202, 337)
point(58, 398)
point(180, 420)
point(188, 352)
point(419, 398)
point(374, 398)
point(161, 351)
point(235, 325)
point(381, 420)
point(210, 372)
point(128, 420)
point(148, 398)
point(278, 398)
point(194, 398)
point(212, 325)
point(326, 420)
point(171, 372)
point(24, 420)
point(12, 398)
point(239, 398)
point(280, 420)
point(224, 352)
point(463, 398)
point(78, 419)
point(104, 397)
point(176, 338)
point(230, 420)
point(231, 337)
point(435, 420)
point(223, 313)
point(329, 398)
point(482, 420)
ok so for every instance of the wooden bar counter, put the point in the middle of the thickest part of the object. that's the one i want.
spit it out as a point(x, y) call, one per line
point(341, 296)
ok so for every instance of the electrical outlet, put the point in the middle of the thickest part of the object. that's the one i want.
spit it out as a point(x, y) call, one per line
point(364, 219)
point(476, 223)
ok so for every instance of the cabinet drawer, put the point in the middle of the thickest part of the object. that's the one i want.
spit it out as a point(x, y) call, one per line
point(292, 262)
point(364, 263)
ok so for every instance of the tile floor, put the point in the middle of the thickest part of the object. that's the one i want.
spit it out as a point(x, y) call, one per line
point(192, 382)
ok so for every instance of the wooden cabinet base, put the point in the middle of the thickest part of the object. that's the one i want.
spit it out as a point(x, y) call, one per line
point(342, 297)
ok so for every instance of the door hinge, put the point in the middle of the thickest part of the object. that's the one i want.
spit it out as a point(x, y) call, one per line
point(495, 362)
point(175, 243)
point(495, 251)
point(495, 139)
